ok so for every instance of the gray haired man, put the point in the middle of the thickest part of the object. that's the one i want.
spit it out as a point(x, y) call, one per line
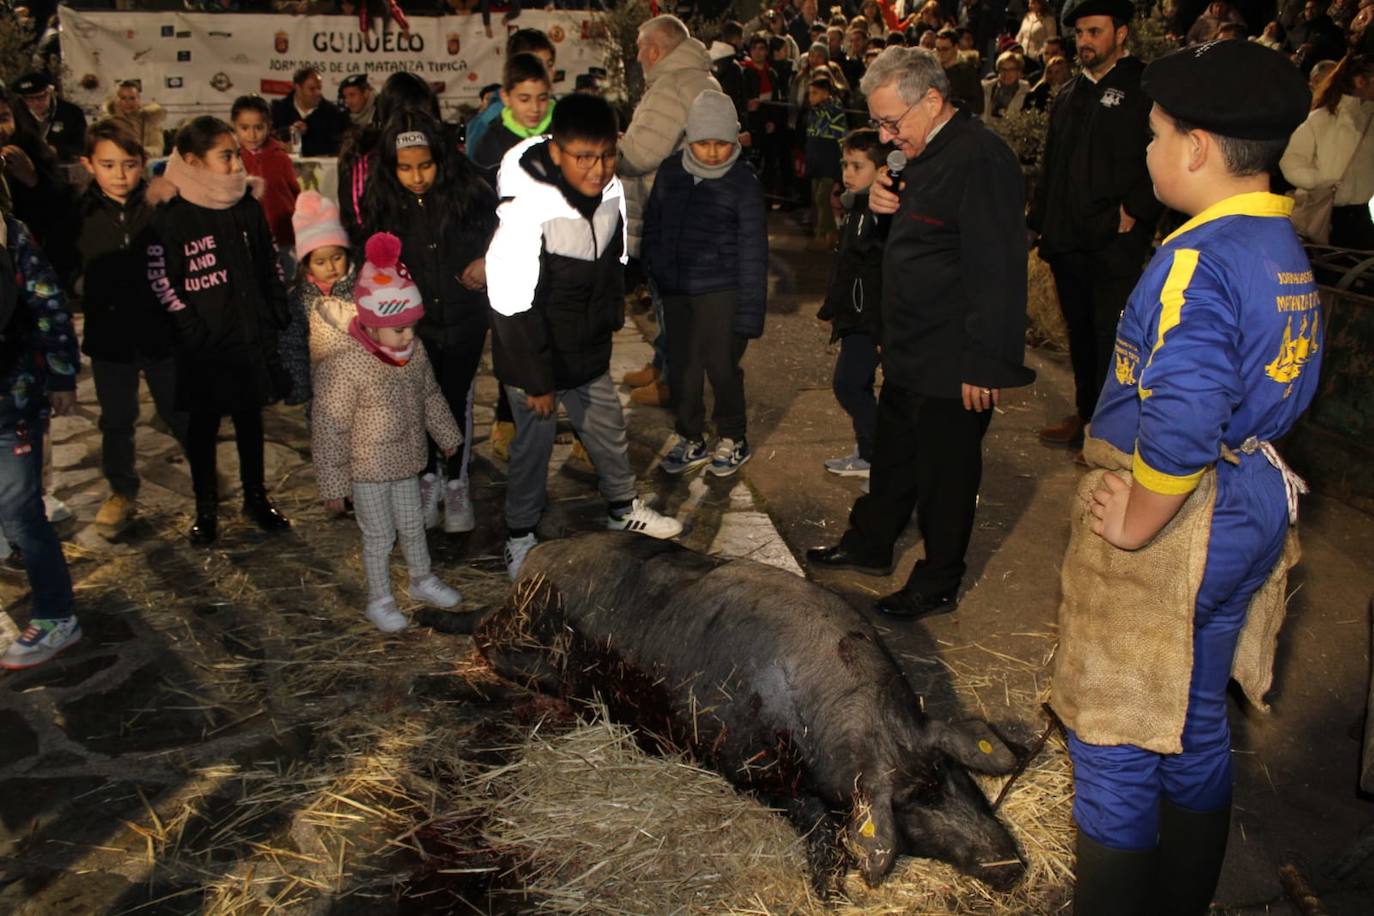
point(954, 320)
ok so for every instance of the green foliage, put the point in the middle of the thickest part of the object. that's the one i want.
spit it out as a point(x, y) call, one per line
point(1025, 133)
point(16, 55)
point(1148, 39)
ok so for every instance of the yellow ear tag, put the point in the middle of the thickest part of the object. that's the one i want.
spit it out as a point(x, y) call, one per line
point(868, 830)
point(985, 746)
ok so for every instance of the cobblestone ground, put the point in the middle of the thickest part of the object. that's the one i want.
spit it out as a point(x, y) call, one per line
point(230, 734)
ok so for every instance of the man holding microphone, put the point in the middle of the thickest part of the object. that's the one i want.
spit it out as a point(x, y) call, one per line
point(954, 320)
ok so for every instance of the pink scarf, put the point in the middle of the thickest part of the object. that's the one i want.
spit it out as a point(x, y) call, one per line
point(387, 355)
point(208, 189)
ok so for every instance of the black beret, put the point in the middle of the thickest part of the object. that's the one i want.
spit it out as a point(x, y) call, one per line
point(1117, 9)
point(356, 81)
point(30, 83)
point(1233, 88)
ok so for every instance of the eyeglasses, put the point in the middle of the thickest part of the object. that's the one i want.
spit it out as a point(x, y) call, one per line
point(585, 161)
point(890, 125)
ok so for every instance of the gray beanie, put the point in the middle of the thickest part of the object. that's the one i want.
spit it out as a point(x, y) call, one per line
point(712, 117)
point(821, 47)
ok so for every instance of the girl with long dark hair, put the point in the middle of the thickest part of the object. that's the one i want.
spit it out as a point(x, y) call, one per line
point(432, 197)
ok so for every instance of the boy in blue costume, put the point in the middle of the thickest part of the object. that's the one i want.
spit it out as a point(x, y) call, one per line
point(1217, 355)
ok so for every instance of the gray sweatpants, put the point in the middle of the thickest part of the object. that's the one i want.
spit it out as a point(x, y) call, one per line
point(594, 410)
point(386, 511)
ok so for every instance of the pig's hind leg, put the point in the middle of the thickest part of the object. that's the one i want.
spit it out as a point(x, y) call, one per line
point(826, 858)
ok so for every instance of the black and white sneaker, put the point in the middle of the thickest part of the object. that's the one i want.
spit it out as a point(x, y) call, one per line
point(729, 456)
point(640, 519)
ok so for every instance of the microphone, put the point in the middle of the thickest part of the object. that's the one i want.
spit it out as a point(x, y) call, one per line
point(896, 164)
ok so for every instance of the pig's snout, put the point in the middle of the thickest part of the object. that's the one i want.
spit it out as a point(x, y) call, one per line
point(1001, 875)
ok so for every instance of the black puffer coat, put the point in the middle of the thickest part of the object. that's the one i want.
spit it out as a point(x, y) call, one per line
point(710, 236)
point(216, 272)
point(854, 297)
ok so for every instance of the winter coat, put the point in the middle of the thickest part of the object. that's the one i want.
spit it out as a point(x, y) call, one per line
point(1094, 165)
point(272, 163)
point(709, 235)
point(146, 123)
point(297, 343)
point(64, 129)
point(556, 277)
point(369, 419)
point(216, 272)
point(49, 210)
point(497, 140)
point(756, 122)
point(854, 296)
point(436, 247)
point(656, 130)
point(954, 269)
point(1015, 106)
point(1325, 144)
point(825, 130)
point(123, 319)
point(324, 126)
point(38, 349)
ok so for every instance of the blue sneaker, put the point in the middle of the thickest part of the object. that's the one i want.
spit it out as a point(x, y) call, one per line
point(729, 456)
point(41, 641)
point(850, 465)
point(685, 456)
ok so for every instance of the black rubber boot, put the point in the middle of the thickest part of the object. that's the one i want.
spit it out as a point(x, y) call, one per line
point(1113, 882)
point(1192, 846)
point(206, 527)
point(259, 508)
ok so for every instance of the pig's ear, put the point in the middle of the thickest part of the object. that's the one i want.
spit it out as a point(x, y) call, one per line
point(975, 745)
point(871, 837)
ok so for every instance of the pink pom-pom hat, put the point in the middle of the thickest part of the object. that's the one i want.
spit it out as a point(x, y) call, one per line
point(316, 224)
point(385, 294)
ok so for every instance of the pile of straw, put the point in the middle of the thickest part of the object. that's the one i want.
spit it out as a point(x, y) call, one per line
point(1045, 326)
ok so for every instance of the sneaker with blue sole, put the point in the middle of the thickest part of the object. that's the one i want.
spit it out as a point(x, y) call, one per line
point(685, 455)
point(40, 642)
point(729, 457)
point(850, 465)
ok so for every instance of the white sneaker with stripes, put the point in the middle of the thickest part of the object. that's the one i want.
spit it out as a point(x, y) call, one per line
point(641, 519)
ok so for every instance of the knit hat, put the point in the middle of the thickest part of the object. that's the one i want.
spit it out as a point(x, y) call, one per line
point(385, 294)
point(712, 117)
point(821, 47)
point(316, 224)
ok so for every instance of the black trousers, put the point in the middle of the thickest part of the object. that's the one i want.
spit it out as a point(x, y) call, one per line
point(116, 390)
point(928, 456)
point(455, 366)
point(1093, 288)
point(855, 372)
point(702, 344)
point(202, 434)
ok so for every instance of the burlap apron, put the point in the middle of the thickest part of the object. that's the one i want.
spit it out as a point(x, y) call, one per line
point(1125, 657)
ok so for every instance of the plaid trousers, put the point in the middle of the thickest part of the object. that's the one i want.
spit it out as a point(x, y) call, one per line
point(385, 510)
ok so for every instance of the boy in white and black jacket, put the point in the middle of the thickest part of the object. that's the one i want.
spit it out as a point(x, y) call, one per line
point(556, 285)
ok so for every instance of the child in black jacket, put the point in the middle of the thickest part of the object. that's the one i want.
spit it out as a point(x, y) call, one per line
point(126, 333)
point(212, 265)
point(527, 97)
point(556, 268)
point(853, 304)
point(706, 248)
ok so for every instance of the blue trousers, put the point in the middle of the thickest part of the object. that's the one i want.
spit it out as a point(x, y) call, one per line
point(855, 372)
point(1118, 788)
point(25, 521)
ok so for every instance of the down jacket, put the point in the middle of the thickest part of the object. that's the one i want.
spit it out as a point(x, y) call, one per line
point(658, 126)
point(556, 277)
point(146, 123)
point(1324, 145)
point(708, 236)
point(854, 296)
point(370, 419)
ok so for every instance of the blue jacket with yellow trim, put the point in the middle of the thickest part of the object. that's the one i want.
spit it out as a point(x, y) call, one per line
point(1221, 341)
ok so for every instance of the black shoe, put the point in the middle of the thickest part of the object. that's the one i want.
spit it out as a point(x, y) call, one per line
point(912, 605)
point(257, 507)
point(839, 557)
point(206, 527)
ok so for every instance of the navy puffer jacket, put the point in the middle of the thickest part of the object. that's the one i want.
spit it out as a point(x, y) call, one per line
point(709, 236)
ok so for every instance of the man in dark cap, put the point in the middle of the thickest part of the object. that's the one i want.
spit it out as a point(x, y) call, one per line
point(61, 124)
point(357, 98)
point(1176, 571)
point(1094, 209)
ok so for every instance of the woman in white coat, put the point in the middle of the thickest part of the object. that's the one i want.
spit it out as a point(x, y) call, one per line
point(1005, 94)
point(1334, 148)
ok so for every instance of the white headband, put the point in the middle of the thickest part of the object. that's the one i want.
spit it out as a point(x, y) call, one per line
point(411, 138)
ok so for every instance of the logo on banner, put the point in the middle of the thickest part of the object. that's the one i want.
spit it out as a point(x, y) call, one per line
point(454, 43)
point(556, 35)
point(173, 82)
point(168, 31)
point(183, 57)
point(221, 82)
point(282, 43)
point(220, 34)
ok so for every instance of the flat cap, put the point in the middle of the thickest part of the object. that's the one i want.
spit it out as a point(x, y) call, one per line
point(1117, 9)
point(30, 83)
point(1233, 88)
point(355, 81)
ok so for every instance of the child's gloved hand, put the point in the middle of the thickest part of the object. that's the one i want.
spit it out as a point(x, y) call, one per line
point(335, 506)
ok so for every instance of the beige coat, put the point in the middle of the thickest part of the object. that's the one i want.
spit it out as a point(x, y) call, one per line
point(369, 419)
point(329, 321)
point(146, 125)
point(659, 124)
point(1324, 145)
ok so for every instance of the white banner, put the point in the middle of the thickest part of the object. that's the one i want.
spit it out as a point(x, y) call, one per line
point(198, 63)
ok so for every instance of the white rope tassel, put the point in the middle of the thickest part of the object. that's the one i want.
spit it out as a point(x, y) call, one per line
point(1293, 485)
